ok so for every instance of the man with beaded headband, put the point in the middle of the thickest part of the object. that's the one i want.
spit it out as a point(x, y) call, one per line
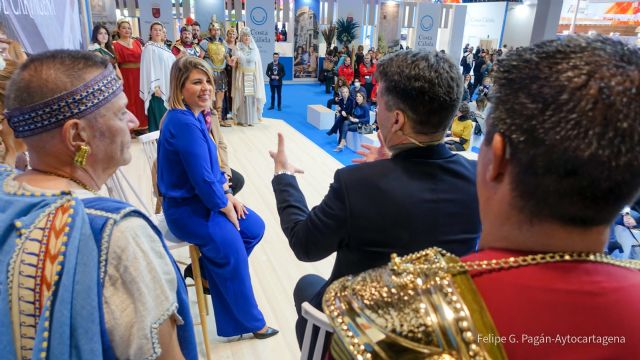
point(83, 276)
point(548, 188)
point(214, 50)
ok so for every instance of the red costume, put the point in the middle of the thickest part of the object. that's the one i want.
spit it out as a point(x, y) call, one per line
point(575, 310)
point(129, 63)
point(347, 72)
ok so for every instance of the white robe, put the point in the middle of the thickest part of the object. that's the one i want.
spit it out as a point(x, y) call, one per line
point(247, 114)
point(155, 70)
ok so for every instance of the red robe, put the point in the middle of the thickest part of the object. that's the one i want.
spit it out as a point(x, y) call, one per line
point(538, 307)
point(129, 63)
point(347, 72)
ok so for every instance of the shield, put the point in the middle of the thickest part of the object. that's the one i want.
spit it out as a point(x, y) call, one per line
point(155, 11)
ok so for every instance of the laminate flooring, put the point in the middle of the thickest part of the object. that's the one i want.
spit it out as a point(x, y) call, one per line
point(274, 268)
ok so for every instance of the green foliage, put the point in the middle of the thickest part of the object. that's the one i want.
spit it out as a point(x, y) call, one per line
point(346, 30)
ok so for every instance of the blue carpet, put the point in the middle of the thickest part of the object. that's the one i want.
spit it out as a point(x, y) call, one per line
point(295, 98)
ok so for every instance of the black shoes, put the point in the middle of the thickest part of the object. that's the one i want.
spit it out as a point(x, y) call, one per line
point(267, 334)
point(279, 108)
point(270, 108)
point(188, 273)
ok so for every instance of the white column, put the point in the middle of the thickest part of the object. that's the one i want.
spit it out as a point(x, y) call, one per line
point(545, 22)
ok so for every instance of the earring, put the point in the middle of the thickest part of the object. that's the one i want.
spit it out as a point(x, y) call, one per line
point(81, 155)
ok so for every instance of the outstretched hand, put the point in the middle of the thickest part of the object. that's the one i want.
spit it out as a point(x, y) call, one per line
point(372, 153)
point(280, 159)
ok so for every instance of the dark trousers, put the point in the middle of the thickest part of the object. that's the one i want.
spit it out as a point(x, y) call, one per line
point(307, 289)
point(237, 182)
point(329, 81)
point(477, 81)
point(274, 89)
point(347, 126)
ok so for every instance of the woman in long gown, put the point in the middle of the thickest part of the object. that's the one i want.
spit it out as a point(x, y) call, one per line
point(248, 85)
point(155, 67)
point(101, 44)
point(128, 53)
point(199, 206)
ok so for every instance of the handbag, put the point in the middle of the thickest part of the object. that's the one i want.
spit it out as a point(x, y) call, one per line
point(365, 129)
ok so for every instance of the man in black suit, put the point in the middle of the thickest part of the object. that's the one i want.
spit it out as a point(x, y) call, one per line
point(412, 196)
point(275, 73)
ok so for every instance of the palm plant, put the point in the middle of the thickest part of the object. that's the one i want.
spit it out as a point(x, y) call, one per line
point(346, 30)
point(329, 34)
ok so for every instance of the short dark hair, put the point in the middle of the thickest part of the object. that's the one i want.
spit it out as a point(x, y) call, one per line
point(275, 53)
point(425, 85)
point(195, 23)
point(573, 147)
point(50, 73)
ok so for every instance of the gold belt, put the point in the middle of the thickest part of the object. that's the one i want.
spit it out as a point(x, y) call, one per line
point(130, 65)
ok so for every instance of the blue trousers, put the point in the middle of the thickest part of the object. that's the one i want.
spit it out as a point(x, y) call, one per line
point(225, 259)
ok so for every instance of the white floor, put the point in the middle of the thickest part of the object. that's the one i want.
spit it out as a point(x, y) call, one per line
point(274, 268)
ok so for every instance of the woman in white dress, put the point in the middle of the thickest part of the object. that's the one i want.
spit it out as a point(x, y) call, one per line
point(155, 67)
point(248, 83)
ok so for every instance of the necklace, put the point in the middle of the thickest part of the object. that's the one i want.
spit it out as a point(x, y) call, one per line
point(418, 262)
point(78, 182)
point(127, 43)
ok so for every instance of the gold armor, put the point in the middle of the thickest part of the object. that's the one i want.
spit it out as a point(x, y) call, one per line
point(216, 52)
point(413, 308)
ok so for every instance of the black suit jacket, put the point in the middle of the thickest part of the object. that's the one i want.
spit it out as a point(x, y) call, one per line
point(421, 197)
point(280, 74)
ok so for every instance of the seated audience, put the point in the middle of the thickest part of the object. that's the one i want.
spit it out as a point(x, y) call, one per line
point(199, 206)
point(466, 97)
point(459, 138)
point(484, 90)
point(359, 117)
point(357, 89)
point(103, 283)
point(344, 110)
point(540, 287)
point(415, 199)
point(629, 217)
point(336, 92)
point(346, 71)
point(480, 114)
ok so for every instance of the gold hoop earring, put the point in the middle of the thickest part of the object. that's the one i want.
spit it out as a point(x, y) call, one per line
point(80, 158)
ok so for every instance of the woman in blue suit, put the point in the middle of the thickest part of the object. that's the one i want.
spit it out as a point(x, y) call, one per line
point(199, 206)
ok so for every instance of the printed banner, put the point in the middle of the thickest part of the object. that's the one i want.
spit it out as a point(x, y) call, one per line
point(427, 26)
point(485, 22)
point(41, 25)
point(305, 58)
point(156, 10)
point(103, 12)
point(261, 21)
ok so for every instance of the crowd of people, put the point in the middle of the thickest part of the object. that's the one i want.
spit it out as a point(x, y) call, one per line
point(520, 235)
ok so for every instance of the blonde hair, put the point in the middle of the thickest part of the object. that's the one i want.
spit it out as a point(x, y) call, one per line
point(180, 71)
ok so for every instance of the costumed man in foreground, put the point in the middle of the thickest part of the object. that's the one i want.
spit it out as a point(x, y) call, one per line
point(83, 276)
point(214, 51)
point(185, 45)
point(548, 186)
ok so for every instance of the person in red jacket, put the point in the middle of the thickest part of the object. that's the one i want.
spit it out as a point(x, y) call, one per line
point(346, 70)
point(366, 74)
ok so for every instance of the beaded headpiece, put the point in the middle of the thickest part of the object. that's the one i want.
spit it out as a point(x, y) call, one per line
point(76, 103)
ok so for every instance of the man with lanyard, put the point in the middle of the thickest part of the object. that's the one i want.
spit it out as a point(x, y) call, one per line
point(214, 50)
point(185, 46)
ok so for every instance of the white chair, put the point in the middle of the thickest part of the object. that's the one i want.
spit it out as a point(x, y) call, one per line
point(318, 319)
point(117, 187)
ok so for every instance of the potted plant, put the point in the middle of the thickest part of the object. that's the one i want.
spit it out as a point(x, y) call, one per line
point(329, 33)
point(346, 30)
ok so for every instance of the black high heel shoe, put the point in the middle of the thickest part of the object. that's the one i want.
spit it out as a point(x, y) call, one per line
point(188, 273)
point(267, 334)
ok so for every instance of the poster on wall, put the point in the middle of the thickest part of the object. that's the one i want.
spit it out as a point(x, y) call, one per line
point(305, 58)
point(41, 25)
point(103, 12)
point(156, 10)
point(484, 22)
point(261, 21)
point(428, 22)
point(388, 26)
